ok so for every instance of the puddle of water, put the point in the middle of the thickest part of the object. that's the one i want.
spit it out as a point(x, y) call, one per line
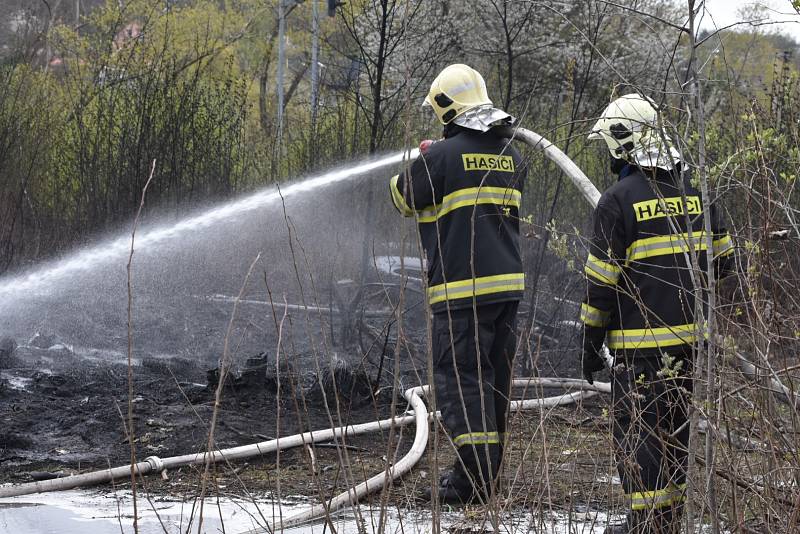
point(395, 266)
point(88, 512)
point(85, 512)
point(20, 383)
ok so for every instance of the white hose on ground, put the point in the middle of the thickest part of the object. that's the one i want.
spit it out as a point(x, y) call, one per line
point(421, 416)
point(410, 459)
point(354, 494)
point(153, 464)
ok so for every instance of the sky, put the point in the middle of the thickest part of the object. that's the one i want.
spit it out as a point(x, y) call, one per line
point(721, 13)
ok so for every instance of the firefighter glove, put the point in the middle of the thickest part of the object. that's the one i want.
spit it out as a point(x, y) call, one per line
point(592, 363)
point(592, 360)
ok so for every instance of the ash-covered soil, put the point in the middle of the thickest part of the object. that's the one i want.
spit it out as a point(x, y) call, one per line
point(73, 414)
point(73, 420)
point(64, 410)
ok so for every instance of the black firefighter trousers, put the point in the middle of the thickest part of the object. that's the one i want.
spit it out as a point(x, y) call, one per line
point(651, 433)
point(472, 376)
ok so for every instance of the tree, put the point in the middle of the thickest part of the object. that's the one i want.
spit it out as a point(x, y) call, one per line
point(396, 43)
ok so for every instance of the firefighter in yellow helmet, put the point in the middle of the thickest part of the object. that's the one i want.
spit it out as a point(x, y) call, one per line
point(464, 192)
point(641, 301)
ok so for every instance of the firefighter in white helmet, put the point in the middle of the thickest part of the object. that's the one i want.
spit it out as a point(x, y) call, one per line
point(465, 193)
point(641, 302)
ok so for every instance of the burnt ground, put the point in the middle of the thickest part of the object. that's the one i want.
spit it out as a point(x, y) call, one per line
point(63, 411)
point(76, 415)
point(68, 423)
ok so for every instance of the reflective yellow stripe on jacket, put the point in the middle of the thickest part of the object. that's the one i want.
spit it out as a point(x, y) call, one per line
point(398, 199)
point(648, 338)
point(604, 271)
point(471, 196)
point(723, 246)
point(484, 285)
point(646, 500)
point(666, 244)
point(594, 316)
point(477, 438)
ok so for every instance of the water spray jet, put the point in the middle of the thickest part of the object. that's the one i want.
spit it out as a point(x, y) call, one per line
point(41, 279)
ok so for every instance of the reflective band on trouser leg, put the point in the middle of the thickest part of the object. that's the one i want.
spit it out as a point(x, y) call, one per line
point(647, 338)
point(398, 199)
point(484, 285)
point(471, 196)
point(604, 271)
point(665, 244)
point(646, 500)
point(594, 316)
point(477, 438)
point(723, 246)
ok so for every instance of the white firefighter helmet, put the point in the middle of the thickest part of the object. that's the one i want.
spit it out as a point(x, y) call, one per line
point(456, 90)
point(630, 128)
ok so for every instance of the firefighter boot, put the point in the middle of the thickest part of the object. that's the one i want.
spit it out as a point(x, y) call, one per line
point(454, 489)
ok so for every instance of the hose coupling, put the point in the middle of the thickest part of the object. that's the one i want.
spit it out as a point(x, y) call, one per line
point(156, 463)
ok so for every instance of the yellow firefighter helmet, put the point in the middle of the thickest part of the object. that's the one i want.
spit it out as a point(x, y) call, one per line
point(631, 130)
point(457, 89)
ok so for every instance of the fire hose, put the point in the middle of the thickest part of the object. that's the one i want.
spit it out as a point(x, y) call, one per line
point(410, 459)
point(420, 416)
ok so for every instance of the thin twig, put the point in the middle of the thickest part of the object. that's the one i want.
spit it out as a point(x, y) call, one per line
point(131, 434)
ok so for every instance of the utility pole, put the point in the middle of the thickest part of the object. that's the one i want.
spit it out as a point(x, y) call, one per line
point(314, 80)
point(281, 61)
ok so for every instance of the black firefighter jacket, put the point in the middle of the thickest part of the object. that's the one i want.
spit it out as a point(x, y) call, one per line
point(640, 289)
point(465, 193)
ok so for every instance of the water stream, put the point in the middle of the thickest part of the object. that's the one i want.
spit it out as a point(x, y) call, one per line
point(40, 280)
